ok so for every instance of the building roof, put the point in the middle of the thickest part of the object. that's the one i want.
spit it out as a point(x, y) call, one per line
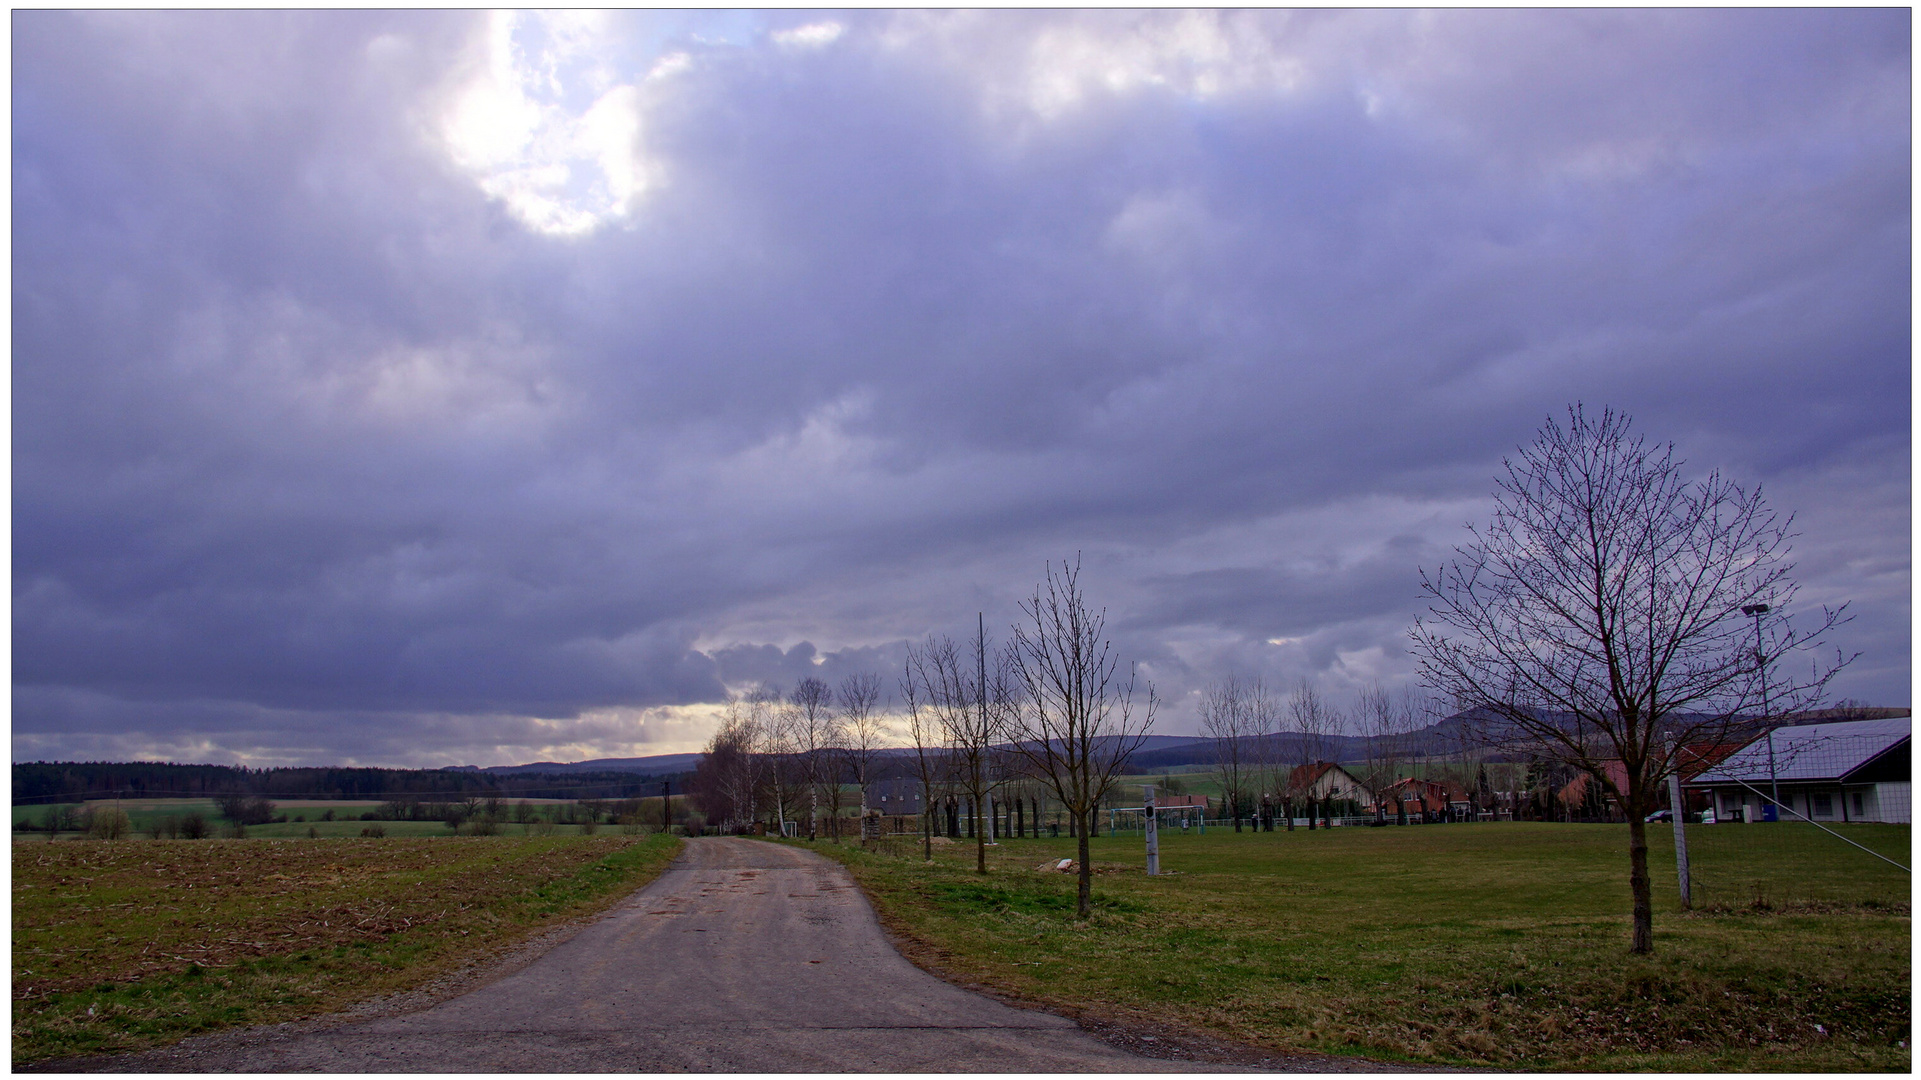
point(1810, 752)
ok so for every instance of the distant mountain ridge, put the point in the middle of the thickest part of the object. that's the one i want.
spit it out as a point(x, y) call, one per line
point(1173, 751)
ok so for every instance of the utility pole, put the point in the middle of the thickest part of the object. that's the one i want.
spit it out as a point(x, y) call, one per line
point(666, 804)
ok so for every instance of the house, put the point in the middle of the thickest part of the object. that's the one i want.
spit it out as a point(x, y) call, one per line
point(1425, 800)
point(1325, 780)
point(1847, 771)
point(894, 795)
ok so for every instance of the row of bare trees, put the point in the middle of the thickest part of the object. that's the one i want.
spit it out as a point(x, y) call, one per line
point(778, 758)
point(1259, 739)
point(1050, 706)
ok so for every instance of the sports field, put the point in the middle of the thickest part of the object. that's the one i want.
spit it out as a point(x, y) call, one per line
point(1491, 945)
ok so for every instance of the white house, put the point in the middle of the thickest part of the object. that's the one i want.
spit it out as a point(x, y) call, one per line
point(1855, 770)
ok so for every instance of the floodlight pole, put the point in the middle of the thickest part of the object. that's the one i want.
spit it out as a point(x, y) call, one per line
point(1761, 665)
point(1153, 833)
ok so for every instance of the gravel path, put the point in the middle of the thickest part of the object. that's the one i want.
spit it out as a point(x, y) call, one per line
point(743, 957)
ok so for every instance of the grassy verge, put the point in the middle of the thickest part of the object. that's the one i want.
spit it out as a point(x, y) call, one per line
point(1493, 945)
point(131, 944)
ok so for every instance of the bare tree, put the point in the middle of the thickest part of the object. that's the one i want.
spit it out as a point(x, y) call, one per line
point(1379, 725)
point(724, 780)
point(813, 724)
point(860, 726)
point(1235, 714)
point(921, 687)
point(969, 701)
point(1078, 724)
point(779, 750)
point(1603, 615)
point(1317, 721)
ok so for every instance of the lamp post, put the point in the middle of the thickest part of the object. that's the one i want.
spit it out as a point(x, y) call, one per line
point(1761, 665)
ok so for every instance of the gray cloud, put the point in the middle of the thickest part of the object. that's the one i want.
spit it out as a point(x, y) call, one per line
point(316, 430)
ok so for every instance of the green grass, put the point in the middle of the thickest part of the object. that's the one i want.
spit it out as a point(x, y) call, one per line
point(129, 944)
point(1487, 945)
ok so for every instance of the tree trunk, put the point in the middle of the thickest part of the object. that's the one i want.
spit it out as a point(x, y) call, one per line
point(1084, 896)
point(979, 823)
point(1638, 881)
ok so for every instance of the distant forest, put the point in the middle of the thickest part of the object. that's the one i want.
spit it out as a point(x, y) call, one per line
point(57, 781)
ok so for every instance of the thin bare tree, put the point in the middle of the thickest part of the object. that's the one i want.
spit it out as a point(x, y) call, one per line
point(1235, 714)
point(860, 726)
point(810, 705)
point(969, 700)
point(921, 687)
point(1603, 615)
point(1078, 723)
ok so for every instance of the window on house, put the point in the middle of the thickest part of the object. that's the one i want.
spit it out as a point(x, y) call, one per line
point(1823, 805)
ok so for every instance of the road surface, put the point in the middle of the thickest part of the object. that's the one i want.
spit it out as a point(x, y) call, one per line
point(744, 956)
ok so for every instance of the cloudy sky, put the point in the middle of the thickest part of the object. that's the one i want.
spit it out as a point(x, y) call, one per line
point(445, 388)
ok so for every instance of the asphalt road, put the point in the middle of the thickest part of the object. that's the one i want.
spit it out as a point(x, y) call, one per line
point(744, 956)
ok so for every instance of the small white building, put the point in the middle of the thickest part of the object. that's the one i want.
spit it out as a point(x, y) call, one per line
point(1855, 770)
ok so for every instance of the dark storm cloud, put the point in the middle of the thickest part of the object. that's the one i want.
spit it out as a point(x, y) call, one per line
point(332, 435)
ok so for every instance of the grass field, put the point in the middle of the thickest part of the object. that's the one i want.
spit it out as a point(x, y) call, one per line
point(304, 818)
point(128, 944)
point(1498, 944)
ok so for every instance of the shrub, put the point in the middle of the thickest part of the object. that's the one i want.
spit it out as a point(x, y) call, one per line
point(327, 815)
point(109, 823)
point(193, 827)
point(375, 831)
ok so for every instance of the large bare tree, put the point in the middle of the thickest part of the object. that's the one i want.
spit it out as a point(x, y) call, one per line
point(1078, 722)
point(1603, 615)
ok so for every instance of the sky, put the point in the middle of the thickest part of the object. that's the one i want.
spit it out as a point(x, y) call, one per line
point(440, 388)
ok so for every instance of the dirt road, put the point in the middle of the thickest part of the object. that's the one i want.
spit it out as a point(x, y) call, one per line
point(745, 956)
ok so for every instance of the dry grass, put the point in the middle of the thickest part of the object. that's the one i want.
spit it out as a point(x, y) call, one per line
point(123, 945)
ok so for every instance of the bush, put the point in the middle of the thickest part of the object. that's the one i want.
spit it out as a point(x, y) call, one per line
point(109, 823)
point(327, 816)
point(313, 833)
point(193, 827)
point(375, 831)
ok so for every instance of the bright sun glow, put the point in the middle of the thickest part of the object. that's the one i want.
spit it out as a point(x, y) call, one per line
point(546, 127)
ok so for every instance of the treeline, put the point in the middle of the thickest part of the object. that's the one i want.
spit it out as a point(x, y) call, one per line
point(42, 781)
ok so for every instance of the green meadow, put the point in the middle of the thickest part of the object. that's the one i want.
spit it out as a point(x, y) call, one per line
point(1485, 945)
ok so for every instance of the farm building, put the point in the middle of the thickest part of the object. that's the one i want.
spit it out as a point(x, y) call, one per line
point(897, 795)
point(1854, 770)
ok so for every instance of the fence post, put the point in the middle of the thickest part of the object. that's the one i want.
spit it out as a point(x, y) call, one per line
point(1153, 833)
point(1680, 840)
